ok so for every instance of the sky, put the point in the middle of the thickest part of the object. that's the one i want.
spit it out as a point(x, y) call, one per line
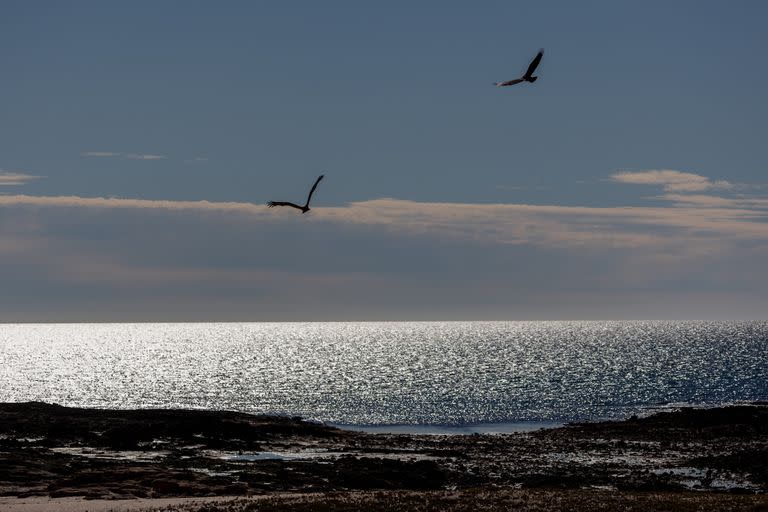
point(140, 141)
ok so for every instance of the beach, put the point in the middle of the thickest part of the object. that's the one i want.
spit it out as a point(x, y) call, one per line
point(492, 500)
point(96, 459)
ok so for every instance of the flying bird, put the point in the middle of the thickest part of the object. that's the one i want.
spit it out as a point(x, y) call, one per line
point(305, 208)
point(528, 76)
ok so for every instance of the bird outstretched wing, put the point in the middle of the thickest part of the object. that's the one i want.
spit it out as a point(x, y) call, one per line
point(309, 197)
point(534, 63)
point(510, 82)
point(272, 204)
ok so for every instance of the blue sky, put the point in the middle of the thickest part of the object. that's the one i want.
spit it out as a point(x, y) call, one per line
point(628, 182)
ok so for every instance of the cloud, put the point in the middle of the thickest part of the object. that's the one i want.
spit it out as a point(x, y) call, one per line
point(135, 156)
point(716, 201)
point(672, 181)
point(128, 156)
point(138, 259)
point(196, 160)
point(681, 230)
point(695, 254)
point(683, 227)
point(16, 178)
point(100, 154)
point(112, 202)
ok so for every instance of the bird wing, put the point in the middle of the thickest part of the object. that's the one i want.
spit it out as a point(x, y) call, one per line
point(272, 204)
point(309, 197)
point(510, 82)
point(534, 63)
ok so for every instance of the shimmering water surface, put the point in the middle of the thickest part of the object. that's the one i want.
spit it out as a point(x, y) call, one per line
point(451, 373)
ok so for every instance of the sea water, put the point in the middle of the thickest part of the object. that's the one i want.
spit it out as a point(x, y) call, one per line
point(410, 373)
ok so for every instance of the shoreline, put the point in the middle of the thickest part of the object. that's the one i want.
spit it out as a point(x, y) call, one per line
point(50, 452)
point(471, 427)
point(455, 430)
point(539, 500)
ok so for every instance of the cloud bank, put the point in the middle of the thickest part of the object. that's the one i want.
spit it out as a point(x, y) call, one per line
point(696, 219)
point(671, 181)
point(137, 259)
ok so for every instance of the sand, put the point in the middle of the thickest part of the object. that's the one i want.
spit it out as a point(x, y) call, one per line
point(497, 500)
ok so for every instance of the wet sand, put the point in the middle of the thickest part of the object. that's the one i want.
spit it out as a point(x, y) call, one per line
point(86, 459)
point(392, 501)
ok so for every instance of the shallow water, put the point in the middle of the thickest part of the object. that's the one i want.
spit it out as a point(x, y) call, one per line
point(454, 430)
point(415, 373)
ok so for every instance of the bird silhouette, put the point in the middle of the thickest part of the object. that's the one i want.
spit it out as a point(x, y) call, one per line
point(528, 76)
point(305, 208)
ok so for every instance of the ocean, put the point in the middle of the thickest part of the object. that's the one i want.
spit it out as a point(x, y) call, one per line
point(409, 373)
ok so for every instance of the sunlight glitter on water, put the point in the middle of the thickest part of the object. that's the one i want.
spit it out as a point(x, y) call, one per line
point(429, 373)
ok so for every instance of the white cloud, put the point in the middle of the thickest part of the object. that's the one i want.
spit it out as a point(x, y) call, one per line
point(681, 227)
point(196, 160)
point(136, 156)
point(672, 181)
point(16, 178)
point(129, 156)
point(101, 202)
point(100, 154)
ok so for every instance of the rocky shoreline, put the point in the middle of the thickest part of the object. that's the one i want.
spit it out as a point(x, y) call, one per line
point(55, 452)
